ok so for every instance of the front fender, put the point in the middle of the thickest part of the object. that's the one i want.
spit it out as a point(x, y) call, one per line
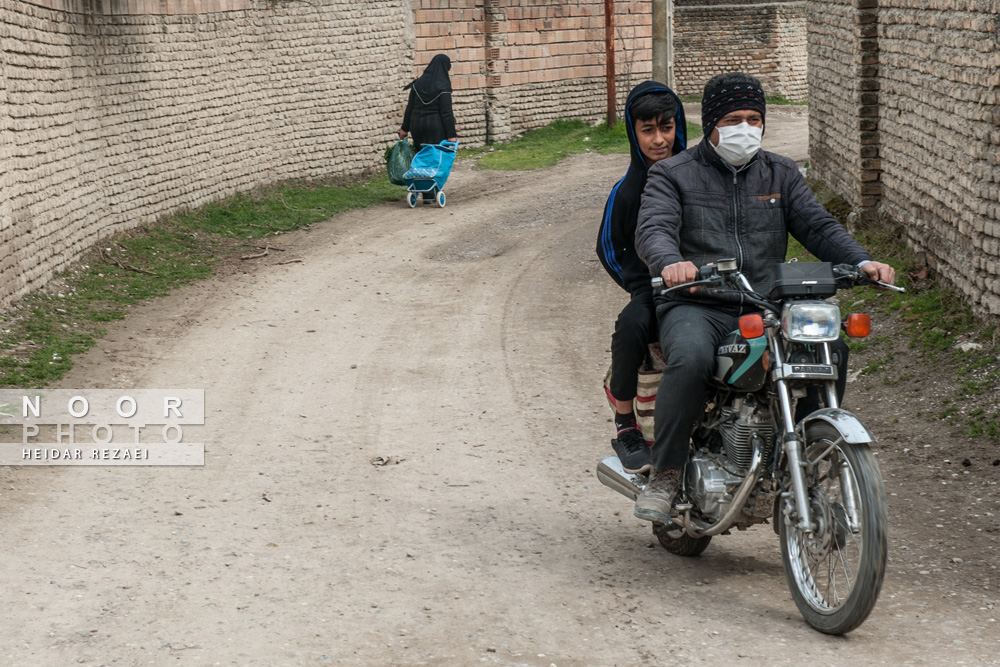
point(850, 427)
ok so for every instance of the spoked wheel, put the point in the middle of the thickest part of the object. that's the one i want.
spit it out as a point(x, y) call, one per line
point(411, 199)
point(835, 574)
point(676, 541)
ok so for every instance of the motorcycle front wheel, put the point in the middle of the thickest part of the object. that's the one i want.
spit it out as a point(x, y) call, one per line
point(835, 574)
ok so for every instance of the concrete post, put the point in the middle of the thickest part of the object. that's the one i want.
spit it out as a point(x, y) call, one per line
point(663, 42)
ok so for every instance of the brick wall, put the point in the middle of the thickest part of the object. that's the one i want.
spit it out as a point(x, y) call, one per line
point(904, 118)
point(766, 39)
point(843, 93)
point(520, 64)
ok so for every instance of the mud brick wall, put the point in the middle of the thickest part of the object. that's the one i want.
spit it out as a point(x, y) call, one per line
point(843, 99)
point(520, 64)
point(905, 123)
point(939, 125)
point(116, 113)
point(766, 39)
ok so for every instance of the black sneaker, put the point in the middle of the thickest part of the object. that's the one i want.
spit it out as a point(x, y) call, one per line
point(632, 451)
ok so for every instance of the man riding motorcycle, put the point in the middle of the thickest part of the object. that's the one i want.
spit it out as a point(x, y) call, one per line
point(722, 198)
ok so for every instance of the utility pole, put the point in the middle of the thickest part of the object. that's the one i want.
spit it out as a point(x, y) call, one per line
point(609, 58)
point(663, 42)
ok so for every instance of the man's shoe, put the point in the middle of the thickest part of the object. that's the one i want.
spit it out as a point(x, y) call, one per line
point(632, 451)
point(657, 499)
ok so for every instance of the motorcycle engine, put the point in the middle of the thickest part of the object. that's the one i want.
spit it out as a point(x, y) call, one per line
point(739, 421)
point(712, 476)
point(710, 485)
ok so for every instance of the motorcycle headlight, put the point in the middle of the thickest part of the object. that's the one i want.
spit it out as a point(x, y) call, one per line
point(811, 321)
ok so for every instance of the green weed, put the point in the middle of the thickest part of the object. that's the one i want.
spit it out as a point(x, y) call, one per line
point(947, 412)
point(770, 99)
point(781, 100)
point(546, 146)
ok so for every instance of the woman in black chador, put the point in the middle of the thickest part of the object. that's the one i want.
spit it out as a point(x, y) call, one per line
point(428, 112)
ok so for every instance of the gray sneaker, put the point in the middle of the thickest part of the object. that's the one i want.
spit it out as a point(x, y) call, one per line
point(657, 499)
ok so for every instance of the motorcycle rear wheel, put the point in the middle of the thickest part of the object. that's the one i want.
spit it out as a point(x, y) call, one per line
point(677, 542)
point(835, 575)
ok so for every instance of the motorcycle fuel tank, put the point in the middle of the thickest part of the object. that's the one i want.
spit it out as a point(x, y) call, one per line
point(740, 363)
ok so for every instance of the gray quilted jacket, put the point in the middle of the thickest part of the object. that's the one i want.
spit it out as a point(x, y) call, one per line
point(694, 208)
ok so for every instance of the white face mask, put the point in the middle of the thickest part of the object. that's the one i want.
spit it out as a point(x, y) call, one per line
point(738, 143)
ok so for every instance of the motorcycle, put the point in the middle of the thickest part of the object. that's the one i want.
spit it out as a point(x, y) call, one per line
point(750, 461)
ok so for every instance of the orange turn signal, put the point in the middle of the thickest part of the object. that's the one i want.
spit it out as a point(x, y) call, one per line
point(751, 326)
point(858, 325)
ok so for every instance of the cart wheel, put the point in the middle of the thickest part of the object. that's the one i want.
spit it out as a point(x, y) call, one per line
point(441, 198)
point(411, 199)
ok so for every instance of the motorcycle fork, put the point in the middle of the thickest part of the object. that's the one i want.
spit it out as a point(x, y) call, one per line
point(792, 442)
point(792, 445)
point(846, 478)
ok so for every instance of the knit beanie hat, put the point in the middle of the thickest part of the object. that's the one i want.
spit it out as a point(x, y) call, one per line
point(725, 93)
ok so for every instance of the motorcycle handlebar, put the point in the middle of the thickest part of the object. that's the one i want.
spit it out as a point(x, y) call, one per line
point(709, 276)
point(852, 276)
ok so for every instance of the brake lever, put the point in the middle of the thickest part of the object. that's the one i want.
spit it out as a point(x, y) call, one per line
point(894, 288)
point(708, 282)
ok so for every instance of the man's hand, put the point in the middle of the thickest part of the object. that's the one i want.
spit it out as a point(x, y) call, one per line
point(879, 271)
point(683, 272)
point(402, 134)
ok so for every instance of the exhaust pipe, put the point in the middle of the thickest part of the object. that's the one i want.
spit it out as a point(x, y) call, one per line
point(612, 475)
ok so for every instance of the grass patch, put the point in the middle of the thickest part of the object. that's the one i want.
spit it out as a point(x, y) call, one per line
point(988, 429)
point(546, 146)
point(933, 318)
point(781, 100)
point(39, 336)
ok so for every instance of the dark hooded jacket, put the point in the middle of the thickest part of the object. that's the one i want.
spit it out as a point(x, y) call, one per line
point(428, 116)
point(698, 209)
point(616, 239)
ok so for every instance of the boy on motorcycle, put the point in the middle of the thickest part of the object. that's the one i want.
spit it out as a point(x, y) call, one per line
point(656, 129)
point(722, 198)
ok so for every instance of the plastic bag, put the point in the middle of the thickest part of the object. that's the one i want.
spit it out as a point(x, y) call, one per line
point(398, 162)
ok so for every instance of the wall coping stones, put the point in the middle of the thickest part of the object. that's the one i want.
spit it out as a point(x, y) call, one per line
point(143, 7)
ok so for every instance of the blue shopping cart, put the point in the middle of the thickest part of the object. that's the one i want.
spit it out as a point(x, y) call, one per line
point(429, 170)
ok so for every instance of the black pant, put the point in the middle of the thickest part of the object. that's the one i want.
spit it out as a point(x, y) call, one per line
point(635, 329)
point(689, 336)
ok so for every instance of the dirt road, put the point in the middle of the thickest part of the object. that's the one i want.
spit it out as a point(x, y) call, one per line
point(401, 436)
